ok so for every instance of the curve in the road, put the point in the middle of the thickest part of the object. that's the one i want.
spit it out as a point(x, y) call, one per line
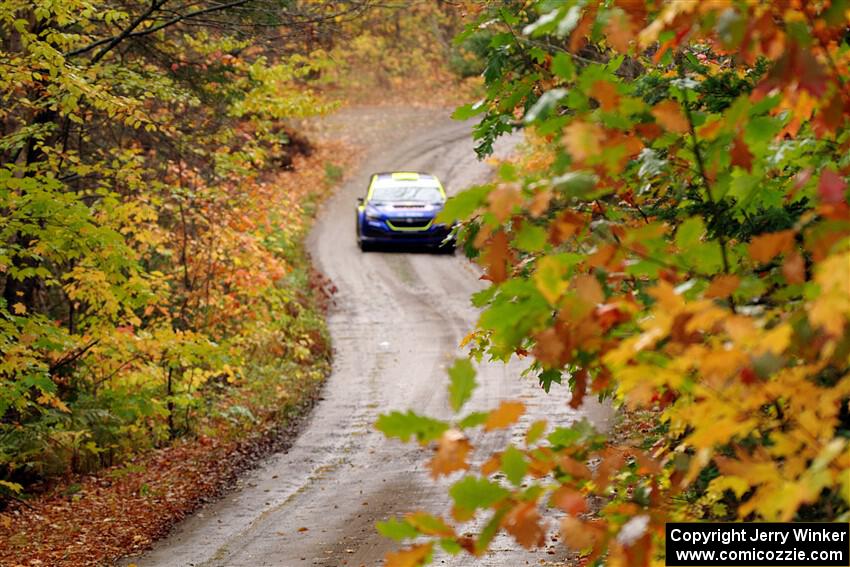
point(397, 323)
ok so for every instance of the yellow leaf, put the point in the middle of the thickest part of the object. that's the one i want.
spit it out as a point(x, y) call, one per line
point(549, 278)
point(506, 414)
point(19, 308)
point(777, 339)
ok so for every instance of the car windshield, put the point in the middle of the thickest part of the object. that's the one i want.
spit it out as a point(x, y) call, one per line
point(406, 193)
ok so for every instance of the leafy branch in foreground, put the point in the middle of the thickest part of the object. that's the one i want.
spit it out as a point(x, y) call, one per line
point(675, 237)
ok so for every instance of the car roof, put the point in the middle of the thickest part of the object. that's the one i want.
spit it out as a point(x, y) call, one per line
point(405, 178)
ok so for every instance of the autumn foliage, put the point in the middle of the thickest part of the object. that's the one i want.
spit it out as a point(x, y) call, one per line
point(153, 279)
point(675, 237)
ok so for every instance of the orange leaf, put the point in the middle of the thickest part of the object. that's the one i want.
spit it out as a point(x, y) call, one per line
point(411, 557)
point(523, 522)
point(550, 348)
point(492, 464)
point(669, 114)
point(794, 268)
point(606, 93)
point(579, 388)
point(619, 32)
point(741, 155)
point(588, 289)
point(765, 246)
point(540, 203)
point(831, 187)
point(497, 257)
point(582, 139)
point(452, 450)
point(569, 500)
point(723, 286)
point(578, 535)
point(506, 414)
point(502, 202)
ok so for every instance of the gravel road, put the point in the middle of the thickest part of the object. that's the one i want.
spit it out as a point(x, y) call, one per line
point(395, 327)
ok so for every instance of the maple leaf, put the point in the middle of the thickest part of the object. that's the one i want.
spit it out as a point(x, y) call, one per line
point(831, 187)
point(451, 453)
point(411, 557)
point(723, 286)
point(794, 268)
point(579, 535)
point(606, 93)
point(579, 388)
point(502, 201)
point(669, 115)
point(764, 247)
point(523, 523)
point(740, 153)
point(505, 415)
point(619, 31)
point(497, 257)
point(569, 500)
point(583, 139)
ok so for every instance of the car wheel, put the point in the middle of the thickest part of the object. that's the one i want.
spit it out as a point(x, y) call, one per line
point(364, 246)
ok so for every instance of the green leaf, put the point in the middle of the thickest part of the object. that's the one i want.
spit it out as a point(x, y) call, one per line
point(467, 111)
point(407, 425)
point(462, 383)
point(450, 546)
point(462, 205)
point(489, 531)
point(567, 436)
point(397, 529)
point(530, 238)
point(474, 419)
point(562, 66)
point(689, 233)
point(471, 493)
point(514, 465)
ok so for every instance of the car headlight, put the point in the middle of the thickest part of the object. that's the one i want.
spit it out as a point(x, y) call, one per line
point(372, 218)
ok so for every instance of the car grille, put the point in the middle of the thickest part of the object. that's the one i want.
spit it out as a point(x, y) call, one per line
point(409, 223)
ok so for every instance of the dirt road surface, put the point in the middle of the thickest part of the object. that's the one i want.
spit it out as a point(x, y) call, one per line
point(395, 327)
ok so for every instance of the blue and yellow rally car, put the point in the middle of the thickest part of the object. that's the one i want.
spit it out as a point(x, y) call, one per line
point(400, 208)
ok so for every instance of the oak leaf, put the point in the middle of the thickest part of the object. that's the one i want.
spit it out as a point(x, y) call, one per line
point(741, 155)
point(523, 522)
point(569, 500)
point(505, 415)
point(831, 187)
point(451, 453)
point(410, 557)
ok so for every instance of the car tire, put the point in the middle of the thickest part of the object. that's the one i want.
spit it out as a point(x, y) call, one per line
point(364, 246)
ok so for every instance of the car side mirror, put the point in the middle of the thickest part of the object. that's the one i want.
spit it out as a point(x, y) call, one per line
point(359, 200)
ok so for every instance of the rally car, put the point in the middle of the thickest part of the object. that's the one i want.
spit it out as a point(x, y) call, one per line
point(400, 208)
